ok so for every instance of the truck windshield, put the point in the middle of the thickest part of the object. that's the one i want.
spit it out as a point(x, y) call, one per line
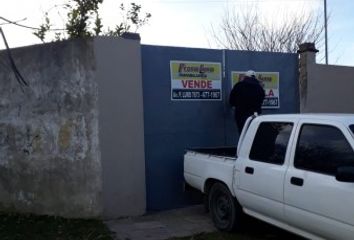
point(352, 128)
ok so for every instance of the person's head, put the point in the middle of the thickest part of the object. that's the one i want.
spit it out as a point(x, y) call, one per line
point(250, 73)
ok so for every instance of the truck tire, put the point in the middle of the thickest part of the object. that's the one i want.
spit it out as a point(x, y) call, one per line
point(225, 210)
point(206, 202)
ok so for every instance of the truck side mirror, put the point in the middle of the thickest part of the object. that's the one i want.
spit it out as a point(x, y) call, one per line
point(345, 174)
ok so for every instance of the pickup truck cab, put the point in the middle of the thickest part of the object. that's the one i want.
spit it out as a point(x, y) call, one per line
point(295, 171)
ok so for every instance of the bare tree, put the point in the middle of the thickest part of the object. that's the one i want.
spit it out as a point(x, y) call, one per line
point(249, 31)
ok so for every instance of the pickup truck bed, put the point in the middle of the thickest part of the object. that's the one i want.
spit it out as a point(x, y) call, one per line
point(217, 151)
point(294, 171)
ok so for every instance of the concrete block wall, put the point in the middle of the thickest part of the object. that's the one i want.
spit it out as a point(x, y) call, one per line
point(72, 143)
point(49, 150)
point(324, 88)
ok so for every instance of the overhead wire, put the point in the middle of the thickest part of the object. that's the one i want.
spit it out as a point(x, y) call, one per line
point(26, 26)
point(22, 82)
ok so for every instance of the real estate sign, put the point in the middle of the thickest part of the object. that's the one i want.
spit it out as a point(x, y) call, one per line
point(195, 80)
point(270, 83)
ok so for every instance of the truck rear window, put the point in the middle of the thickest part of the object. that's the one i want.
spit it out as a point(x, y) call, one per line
point(270, 142)
point(352, 128)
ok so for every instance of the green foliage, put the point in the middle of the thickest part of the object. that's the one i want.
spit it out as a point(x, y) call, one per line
point(79, 15)
point(98, 25)
point(131, 17)
point(83, 20)
point(43, 28)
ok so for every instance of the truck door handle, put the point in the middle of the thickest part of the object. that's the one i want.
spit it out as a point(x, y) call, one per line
point(249, 170)
point(297, 181)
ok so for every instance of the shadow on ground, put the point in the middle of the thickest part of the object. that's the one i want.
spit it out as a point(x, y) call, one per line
point(254, 230)
point(191, 223)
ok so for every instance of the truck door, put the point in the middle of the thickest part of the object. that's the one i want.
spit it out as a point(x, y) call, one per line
point(314, 200)
point(261, 167)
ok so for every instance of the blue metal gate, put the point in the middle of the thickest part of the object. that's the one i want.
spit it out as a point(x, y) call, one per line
point(173, 126)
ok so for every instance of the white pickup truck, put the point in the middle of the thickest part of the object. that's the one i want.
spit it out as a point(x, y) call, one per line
point(295, 171)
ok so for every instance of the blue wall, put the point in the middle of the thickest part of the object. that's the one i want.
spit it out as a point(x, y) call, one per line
point(171, 127)
point(284, 63)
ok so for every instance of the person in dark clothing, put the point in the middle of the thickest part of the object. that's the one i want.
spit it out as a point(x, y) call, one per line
point(247, 97)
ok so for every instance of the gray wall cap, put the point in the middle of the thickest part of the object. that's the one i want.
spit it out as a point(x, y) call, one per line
point(307, 47)
point(130, 35)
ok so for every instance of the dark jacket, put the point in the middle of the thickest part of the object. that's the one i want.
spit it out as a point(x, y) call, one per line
point(247, 97)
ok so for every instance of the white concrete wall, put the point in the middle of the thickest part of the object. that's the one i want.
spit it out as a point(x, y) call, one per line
point(325, 88)
point(121, 126)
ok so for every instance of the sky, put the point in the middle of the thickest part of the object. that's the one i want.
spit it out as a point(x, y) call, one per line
point(188, 23)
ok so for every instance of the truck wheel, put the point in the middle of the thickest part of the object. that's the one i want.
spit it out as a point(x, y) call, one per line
point(206, 202)
point(225, 211)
